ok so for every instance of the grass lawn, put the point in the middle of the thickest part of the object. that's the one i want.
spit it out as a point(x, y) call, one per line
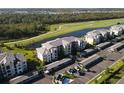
point(11, 40)
point(30, 56)
point(104, 75)
point(59, 29)
point(116, 77)
point(70, 76)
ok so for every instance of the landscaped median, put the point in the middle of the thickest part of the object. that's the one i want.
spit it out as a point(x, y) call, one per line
point(104, 75)
point(115, 78)
point(64, 29)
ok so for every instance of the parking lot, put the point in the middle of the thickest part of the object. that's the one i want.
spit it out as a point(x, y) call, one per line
point(109, 59)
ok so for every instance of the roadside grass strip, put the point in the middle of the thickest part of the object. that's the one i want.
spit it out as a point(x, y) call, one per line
point(105, 74)
point(116, 77)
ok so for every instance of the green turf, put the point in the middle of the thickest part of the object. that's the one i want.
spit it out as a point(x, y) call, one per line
point(116, 77)
point(29, 54)
point(70, 76)
point(59, 29)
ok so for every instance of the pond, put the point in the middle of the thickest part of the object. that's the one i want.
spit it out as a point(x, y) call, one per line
point(78, 33)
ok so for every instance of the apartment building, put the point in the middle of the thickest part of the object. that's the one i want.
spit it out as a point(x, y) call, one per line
point(12, 64)
point(105, 34)
point(58, 48)
point(122, 25)
point(116, 30)
point(97, 36)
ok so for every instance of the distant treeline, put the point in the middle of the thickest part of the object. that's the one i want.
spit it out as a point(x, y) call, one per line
point(58, 10)
point(27, 25)
point(56, 18)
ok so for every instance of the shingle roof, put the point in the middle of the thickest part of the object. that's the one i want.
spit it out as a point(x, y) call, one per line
point(56, 42)
point(20, 57)
point(116, 27)
point(122, 25)
point(10, 57)
point(70, 39)
point(98, 31)
point(2, 55)
point(41, 50)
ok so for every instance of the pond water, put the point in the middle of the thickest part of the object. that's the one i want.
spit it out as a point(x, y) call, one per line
point(78, 33)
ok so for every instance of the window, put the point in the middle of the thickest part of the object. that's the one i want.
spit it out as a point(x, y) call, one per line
point(19, 68)
point(8, 71)
point(24, 68)
point(55, 57)
point(7, 67)
point(24, 62)
point(20, 72)
point(2, 64)
point(25, 65)
point(9, 74)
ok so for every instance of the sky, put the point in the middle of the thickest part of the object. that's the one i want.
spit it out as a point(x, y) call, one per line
point(61, 3)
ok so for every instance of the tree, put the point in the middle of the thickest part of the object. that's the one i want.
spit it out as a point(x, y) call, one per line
point(40, 68)
point(82, 69)
point(94, 43)
point(96, 81)
point(108, 70)
point(78, 54)
point(104, 57)
point(2, 45)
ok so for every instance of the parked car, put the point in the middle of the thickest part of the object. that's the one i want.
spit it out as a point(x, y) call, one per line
point(58, 79)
